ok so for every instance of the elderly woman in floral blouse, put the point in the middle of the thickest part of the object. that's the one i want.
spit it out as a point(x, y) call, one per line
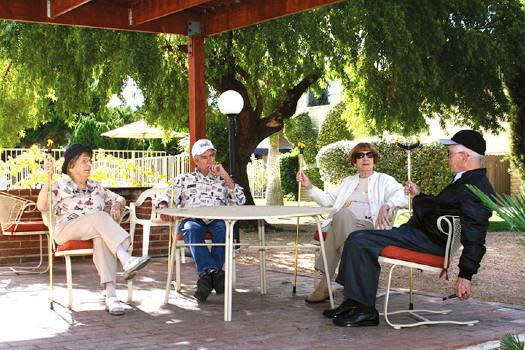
point(79, 204)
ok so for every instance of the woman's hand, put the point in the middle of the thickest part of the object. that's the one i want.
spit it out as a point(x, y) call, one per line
point(412, 189)
point(383, 218)
point(303, 180)
point(49, 164)
point(116, 209)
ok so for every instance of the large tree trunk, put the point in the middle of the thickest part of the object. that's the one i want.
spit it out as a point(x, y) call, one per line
point(516, 88)
point(274, 194)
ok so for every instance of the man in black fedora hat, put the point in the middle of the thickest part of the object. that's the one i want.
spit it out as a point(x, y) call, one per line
point(359, 268)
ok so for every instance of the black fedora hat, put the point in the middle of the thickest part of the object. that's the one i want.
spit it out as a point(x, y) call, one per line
point(72, 151)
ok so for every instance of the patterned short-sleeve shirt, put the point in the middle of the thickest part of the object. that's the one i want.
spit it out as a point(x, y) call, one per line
point(196, 190)
point(70, 202)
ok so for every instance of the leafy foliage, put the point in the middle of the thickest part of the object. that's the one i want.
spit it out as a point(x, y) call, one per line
point(511, 342)
point(510, 208)
point(334, 127)
point(301, 129)
point(429, 164)
point(289, 167)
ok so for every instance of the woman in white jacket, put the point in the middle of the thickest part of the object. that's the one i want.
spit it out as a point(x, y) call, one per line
point(363, 201)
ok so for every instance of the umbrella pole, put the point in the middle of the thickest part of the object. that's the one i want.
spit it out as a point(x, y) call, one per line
point(296, 245)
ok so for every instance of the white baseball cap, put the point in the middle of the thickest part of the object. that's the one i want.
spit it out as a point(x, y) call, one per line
point(201, 146)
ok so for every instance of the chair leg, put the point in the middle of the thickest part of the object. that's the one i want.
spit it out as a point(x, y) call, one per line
point(178, 253)
point(130, 292)
point(415, 313)
point(19, 270)
point(146, 229)
point(69, 281)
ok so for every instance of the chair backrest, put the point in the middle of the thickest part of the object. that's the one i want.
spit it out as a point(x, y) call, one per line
point(150, 193)
point(11, 209)
point(450, 226)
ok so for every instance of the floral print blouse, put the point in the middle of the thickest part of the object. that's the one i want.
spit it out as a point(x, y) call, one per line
point(70, 202)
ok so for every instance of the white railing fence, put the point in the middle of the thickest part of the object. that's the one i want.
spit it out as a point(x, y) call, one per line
point(23, 168)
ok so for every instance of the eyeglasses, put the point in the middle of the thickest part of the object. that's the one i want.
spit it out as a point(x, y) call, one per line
point(361, 155)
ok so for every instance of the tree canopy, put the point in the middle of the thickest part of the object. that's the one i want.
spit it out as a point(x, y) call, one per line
point(400, 62)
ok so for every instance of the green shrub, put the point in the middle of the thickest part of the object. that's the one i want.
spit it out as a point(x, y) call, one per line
point(289, 166)
point(334, 128)
point(301, 129)
point(429, 164)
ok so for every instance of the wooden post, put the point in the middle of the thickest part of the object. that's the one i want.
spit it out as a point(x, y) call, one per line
point(196, 84)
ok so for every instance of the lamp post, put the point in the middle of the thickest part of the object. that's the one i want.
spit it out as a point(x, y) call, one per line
point(231, 103)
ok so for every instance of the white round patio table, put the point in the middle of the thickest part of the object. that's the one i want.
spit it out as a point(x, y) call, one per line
point(232, 214)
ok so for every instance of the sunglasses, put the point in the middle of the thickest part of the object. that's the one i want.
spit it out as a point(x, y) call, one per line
point(361, 155)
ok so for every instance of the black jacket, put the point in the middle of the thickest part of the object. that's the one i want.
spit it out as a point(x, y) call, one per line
point(457, 199)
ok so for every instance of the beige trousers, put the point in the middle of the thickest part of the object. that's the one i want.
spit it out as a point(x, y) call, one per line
point(106, 234)
point(344, 222)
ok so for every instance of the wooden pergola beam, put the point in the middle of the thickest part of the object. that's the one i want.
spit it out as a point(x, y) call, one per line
point(150, 10)
point(93, 14)
point(59, 7)
point(250, 12)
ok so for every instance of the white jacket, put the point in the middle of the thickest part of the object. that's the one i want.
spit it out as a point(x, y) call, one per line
point(382, 188)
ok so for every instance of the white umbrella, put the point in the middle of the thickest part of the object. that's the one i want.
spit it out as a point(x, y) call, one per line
point(141, 130)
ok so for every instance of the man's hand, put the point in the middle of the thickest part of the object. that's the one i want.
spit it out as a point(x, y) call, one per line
point(463, 288)
point(412, 189)
point(218, 170)
point(303, 180)
point(383, 218)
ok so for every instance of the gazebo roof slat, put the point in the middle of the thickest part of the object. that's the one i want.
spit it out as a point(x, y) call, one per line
point(157, 16)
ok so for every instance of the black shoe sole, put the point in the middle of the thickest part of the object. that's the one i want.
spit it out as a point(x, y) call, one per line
point(358, 324)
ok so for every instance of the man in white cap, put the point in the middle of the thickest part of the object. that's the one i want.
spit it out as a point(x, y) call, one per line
point(209, 185)
point(359, 269)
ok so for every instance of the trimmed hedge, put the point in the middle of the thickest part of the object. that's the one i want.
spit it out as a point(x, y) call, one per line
point(289, 167)
point(334, 128)
point(429, 164)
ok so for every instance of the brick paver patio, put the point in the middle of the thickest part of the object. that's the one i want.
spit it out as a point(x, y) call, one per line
point(277, 320)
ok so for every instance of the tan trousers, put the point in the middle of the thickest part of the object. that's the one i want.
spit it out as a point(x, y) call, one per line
point(344, 222)
point(106, 234)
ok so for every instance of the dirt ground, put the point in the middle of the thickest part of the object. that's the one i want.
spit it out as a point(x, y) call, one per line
point(501, 277)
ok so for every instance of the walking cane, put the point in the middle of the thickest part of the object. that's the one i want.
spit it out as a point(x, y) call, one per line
point(300, 145)
point(408, 147)
point(170, 231)
point(51, 228)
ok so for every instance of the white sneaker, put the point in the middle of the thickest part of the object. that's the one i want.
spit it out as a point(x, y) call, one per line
point(114, 307)
point(134, 264)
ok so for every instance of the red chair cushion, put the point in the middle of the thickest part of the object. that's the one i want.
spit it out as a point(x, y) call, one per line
point(27, 226)
point(207, 237)
point(412, 256)
point(316, 235)
point(73, 245)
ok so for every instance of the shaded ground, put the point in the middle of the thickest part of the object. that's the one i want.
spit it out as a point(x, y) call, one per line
point(500, 278)
point(278, 320)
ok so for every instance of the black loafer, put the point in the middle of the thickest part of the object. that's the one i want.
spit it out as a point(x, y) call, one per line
point(358, 318)
point(346, 307)
point(204, 287)
point(218, 281)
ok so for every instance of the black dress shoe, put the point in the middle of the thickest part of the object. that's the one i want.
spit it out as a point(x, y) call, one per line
point(218, 281)
point(358, 318)
point(204, 287)
point(346, 307)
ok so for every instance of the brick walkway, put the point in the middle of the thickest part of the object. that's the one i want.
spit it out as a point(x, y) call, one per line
point(274, 321)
